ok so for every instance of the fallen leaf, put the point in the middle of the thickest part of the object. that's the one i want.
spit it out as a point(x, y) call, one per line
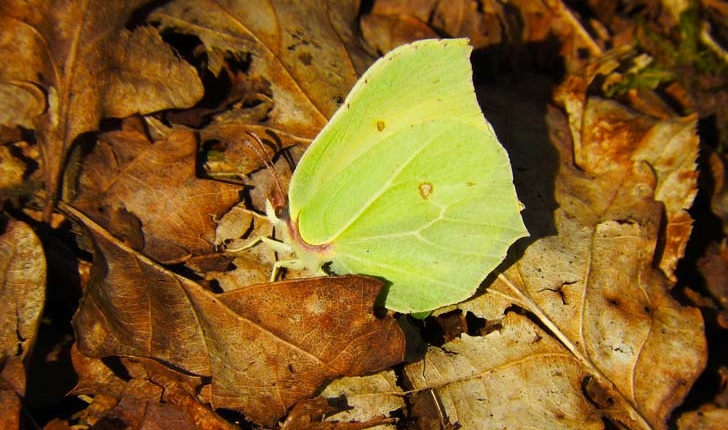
point(11, 406)
point(89, 66)
point(23, 101)
point(514, 377)
point(150, 394)
point(309, 415)
point(392, 23)
point(369, 397)
point(236, 230)
point(23, 276)
point(610, 342)
point(265, 346)
point(311, 62)
point(22, 297)
point(148, 194)
point(610, 138)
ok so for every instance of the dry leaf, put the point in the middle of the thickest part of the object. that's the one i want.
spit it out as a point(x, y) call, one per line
point(370, 397)
point(148, 194)
point(310, 414)
point(22, 297)
point(311, 62)
point(236, 230)
point(516, 377)
point(392, 23)
point(23, 276)
point(11, 407)
point(89, 66)
point(617, 345)
point(610, 138)
point(12, 170)
point(151, 394)
point(22, 101)
point(265, 346)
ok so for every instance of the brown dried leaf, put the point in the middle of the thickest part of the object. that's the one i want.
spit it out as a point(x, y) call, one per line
point(392, 23)
point(238, 228)
point(516, 376)
point(308, 54)
point(129, 183)
point(369, 397)
point(310, 414)
point(610, 138)
point(266, 346)
point(22, 297)
point(89, 66)
point(11, 406)
point(22, 276)
point(152, 395)
point(22, 102)
point(617, 345)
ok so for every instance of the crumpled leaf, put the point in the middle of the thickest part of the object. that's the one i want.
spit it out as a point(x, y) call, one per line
point(148, 194)
point(265, 346)
point(89, 66)
point(308, 54)
point(310, 414)
point(670, 146)
point(391, 23)
point(614, 344)
point(150, 395)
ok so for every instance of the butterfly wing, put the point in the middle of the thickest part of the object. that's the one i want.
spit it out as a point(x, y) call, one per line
point(408, 181)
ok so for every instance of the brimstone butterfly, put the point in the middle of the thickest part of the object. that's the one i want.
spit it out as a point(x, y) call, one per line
point(407, 182)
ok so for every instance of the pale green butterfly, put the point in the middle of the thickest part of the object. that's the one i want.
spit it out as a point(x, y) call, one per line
point(406, 182)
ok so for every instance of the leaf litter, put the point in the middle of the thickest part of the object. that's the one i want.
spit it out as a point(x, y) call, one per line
point(586, 324)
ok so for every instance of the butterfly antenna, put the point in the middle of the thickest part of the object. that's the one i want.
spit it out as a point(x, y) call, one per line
point(279, 195)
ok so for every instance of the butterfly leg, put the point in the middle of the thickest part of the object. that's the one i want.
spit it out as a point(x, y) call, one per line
point(286, 264)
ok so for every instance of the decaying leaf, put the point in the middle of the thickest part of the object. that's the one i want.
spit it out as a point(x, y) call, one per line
point(265, 346)
point(369, 397)
point(22, 276)
point(392, 23)
point(311, 62)
point(614, 344)
point(310, 414)
point(519, 375)
point(89, 66)
point(148, 194)
point(22, 297)
point(610, 138)
point(150, 395)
